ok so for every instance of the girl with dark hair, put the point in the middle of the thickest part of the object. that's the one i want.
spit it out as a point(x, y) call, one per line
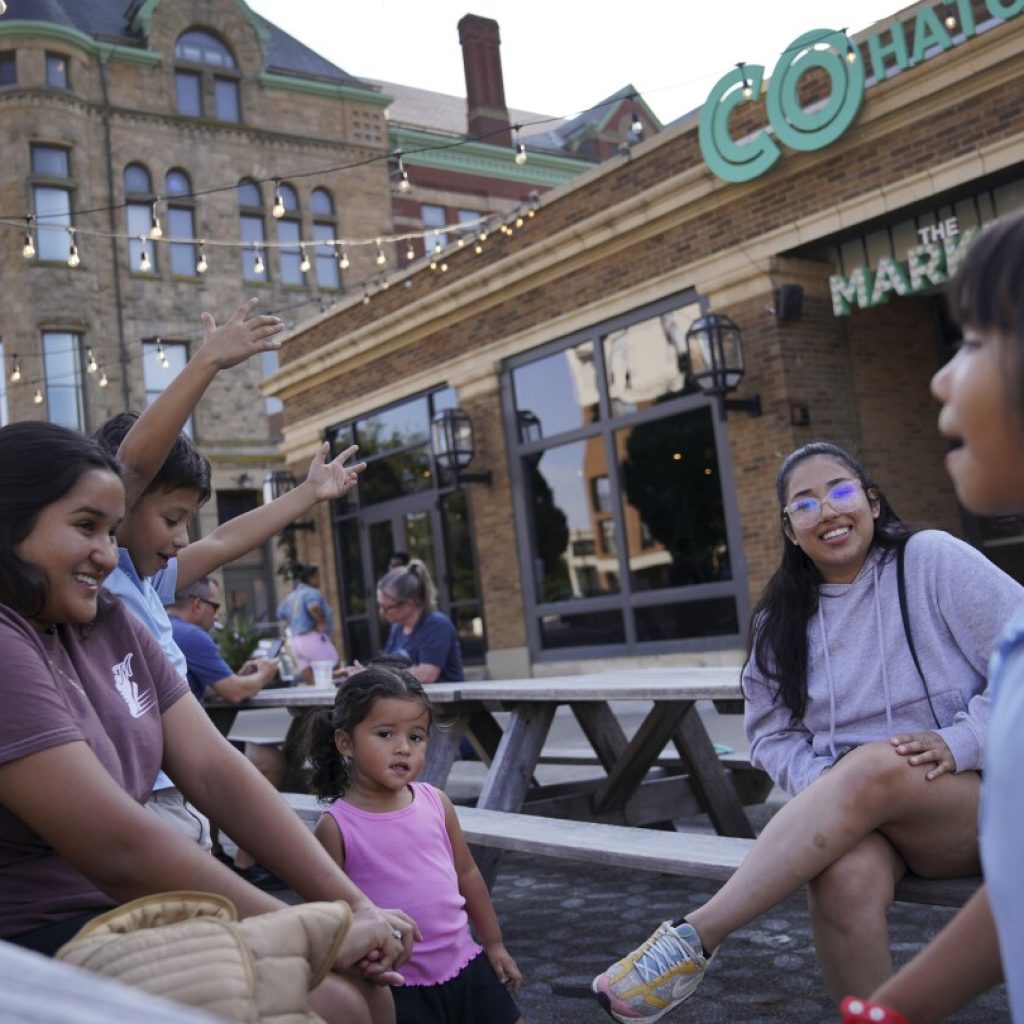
point(93, 708)
point(874, 724)
point(393, 834)
point(982, 394)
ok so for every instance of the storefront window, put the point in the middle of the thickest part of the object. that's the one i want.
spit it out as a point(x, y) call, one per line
point(629, 524)
point(560, 390)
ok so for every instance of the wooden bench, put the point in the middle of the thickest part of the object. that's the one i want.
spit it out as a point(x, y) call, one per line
point(692, 854)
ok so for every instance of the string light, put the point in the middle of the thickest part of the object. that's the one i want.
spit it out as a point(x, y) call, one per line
point(278, 208)
point(144, 264)
point(380, 258)
point(851, 51)
point(201, 265)
point(748, 89)
point(410, 252)
point(155, 231)
point(28, 249)
point(437, 244)
point(520, 153)
point(16, 371)
point(366, 296)
point(73, 258)
point(950, 17)
point(38, 397)
point(343, 259)
point(257, 262)
point(637, 126)
point(161, 355)
point(304, 262)
point(103, 382)
point(91, 365)
point(403, 174)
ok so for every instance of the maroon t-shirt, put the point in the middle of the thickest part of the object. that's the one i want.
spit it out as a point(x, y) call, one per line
point(126, 684)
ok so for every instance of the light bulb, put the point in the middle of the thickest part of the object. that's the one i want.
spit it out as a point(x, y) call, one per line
point(410, 252)
point(520, 153)
point(28, 249)
point(16, 372)
point(38, 397)
point(381, 259)
point(478, 248)
point(73, 258)
point(403, 181)
point(519, 222)
point(257, 264)
point(103, 382)
point(278, 208)
point(950, 22)
point(343, 260)
point(201, 265)
point(385, 284)
point(91, 365)
point(304, 262)
point(144, 265)
point(155, 230)
point(437, 247)
point(366, 298)
point(637, 127)
point(851, 54)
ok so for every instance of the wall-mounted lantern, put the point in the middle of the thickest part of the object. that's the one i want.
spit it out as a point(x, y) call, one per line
point(276, 484)
point(451, 441)
point(714, 360)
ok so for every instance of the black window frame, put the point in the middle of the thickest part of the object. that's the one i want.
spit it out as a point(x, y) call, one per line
point(626, 599)
point(60, 182)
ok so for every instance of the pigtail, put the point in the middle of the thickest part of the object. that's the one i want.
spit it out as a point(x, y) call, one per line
point(330, 774)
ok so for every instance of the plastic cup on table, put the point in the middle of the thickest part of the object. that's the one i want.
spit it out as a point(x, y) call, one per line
point(323, 673)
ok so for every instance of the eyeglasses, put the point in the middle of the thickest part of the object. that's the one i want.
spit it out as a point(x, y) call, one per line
point(806, 512)
point(215, 605)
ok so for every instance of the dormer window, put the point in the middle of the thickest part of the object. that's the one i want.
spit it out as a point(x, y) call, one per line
point(206, 77)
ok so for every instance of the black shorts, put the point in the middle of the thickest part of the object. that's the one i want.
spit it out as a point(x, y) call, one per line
point(473, 996)
point(50, 937)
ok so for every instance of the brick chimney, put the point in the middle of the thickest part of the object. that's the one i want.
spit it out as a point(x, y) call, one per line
point(486, 112)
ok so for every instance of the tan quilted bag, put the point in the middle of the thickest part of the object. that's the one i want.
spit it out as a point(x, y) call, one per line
point(191, 947)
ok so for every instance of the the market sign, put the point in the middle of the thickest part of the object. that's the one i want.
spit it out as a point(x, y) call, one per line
point(928, 265)
point(820, 124)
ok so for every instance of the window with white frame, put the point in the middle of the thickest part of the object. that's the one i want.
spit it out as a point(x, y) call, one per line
point(138, 215)
point(162, 361)
point(51, 201)
point(204, 65)
point(62, 370)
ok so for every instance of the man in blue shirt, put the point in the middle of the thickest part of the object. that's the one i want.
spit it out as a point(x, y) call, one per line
point(192, 615)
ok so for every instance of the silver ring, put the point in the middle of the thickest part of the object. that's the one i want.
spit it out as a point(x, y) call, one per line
point(396, 934)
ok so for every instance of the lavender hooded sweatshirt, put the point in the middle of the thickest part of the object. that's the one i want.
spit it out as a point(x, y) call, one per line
point(861, 681)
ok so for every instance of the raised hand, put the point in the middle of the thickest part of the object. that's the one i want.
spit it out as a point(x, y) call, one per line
point(925, 748)
point(238, 338)
point(333, 479)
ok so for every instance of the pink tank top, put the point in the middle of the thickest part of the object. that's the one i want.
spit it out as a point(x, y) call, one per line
point(403, 860)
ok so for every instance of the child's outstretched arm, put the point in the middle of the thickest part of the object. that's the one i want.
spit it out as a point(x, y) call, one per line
point(961, 962)
point(146, 445)
point(478, 902)
point(326, 480)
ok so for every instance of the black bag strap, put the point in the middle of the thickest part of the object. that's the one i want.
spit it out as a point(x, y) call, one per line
point(901, 586)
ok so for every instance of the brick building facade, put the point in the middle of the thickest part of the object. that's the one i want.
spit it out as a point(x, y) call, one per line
point(555, 337)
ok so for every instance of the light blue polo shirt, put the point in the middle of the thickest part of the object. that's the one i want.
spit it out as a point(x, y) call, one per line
point(144, 598)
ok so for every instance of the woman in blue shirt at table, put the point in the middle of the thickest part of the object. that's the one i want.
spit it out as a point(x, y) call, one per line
point(407, 600)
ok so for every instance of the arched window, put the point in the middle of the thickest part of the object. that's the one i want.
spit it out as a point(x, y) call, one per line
point(181, 223)
point(250, 217)
point(289, 233)
point(138, 211)
point(206, 76)
point(325, 230)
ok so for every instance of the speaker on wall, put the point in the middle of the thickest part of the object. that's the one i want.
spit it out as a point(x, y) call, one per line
point(789, 302)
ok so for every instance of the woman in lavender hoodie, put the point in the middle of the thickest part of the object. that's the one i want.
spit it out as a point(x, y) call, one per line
point(882, 765)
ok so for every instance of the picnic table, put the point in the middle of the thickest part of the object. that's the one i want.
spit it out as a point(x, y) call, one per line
point(637, 785)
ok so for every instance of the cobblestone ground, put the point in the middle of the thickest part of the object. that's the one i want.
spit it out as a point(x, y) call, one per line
point(565, 922)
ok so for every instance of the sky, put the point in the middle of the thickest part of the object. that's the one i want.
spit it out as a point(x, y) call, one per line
point(560, 57)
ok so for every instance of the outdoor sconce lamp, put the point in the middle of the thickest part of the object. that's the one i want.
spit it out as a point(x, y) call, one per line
point(714, 358)
point(275, 485)
point(451, 441)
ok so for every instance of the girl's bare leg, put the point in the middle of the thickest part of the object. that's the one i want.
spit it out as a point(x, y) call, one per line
point(340, 1001)
point(848, 903)
point(931, 823)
